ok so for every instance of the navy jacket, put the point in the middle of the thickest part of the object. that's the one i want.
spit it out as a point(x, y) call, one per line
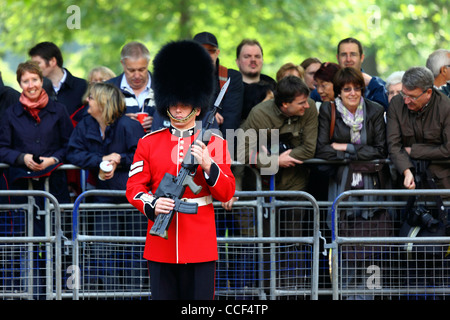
point(8, 96)
point(20, 133)
point(86, 147)
point(232, 102)
point(70, 94)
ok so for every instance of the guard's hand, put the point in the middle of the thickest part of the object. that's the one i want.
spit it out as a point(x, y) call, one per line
point(219, 118)
point(164, 205)
point(229, 204)
point(201, 154)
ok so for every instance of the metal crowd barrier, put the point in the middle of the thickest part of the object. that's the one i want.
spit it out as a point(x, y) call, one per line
point(90, 255)
point(382, 263)
point(111, 265)
point(30, 263)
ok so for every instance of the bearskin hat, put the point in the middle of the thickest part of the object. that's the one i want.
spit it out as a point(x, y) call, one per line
point(182, 73)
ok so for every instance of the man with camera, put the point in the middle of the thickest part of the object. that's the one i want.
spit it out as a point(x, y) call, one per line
point(418, 131)
point(418, 127)
point(291, 118)
point(279, 134)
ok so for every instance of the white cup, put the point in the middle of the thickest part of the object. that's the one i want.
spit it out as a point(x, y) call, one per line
point(105, 167)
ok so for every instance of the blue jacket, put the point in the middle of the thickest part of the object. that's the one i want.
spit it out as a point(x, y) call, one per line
point(8, 96)
point(70, 94)
point(376, 91)
point(20, 133)
point(86, 147)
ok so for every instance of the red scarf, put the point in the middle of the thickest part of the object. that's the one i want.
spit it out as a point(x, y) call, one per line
point(33, 107)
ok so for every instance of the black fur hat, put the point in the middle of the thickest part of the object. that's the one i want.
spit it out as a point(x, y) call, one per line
point(182, 73)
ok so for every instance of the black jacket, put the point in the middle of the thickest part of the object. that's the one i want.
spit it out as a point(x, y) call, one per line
point(8, 96)
point(374, 127)
point(70, 94)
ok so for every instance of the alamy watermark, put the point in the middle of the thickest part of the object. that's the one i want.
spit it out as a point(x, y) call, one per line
point(73, 281)
point(253, 147)
point(74, 20)
point(374, 19)
point(374, 280)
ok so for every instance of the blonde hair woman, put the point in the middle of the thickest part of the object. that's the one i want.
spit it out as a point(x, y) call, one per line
point(100, 74)
point(105, 134)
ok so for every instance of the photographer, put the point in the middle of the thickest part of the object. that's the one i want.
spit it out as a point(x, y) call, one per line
point(294, 115)
point(290, 119)
point(418, 127)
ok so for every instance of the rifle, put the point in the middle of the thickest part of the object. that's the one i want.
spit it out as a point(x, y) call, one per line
point(174, 187)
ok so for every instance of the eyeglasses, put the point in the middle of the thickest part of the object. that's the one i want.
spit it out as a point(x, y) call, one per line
point(323, 86)
point(349, 89)
point(412, 98)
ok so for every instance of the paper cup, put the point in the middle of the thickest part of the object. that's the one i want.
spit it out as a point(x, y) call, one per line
point(105, 167)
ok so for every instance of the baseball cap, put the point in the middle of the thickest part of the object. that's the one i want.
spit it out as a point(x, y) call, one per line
point(206, 38)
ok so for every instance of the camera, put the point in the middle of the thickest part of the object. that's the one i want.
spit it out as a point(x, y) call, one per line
point(282, 145)
point(421, 216)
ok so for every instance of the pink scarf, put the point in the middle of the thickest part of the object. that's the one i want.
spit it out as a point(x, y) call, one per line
point(33, 107)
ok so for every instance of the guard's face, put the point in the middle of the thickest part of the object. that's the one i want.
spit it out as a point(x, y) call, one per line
point(180, 113)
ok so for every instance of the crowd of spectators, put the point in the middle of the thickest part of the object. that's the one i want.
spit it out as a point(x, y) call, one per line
point(59, 118)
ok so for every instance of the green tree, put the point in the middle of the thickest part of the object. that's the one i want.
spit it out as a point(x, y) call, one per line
point(395, 34)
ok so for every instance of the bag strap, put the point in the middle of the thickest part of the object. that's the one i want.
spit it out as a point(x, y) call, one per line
point(439, 202)
point(223, 75)
point(333, 118)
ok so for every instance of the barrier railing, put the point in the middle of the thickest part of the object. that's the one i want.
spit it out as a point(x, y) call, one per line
point(31, 264)
point(377, 266)
point(258, 255)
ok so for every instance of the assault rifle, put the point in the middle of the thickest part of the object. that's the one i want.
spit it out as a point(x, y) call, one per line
point(173, 187)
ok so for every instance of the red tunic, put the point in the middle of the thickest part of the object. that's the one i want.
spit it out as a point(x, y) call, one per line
point(191, 237)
